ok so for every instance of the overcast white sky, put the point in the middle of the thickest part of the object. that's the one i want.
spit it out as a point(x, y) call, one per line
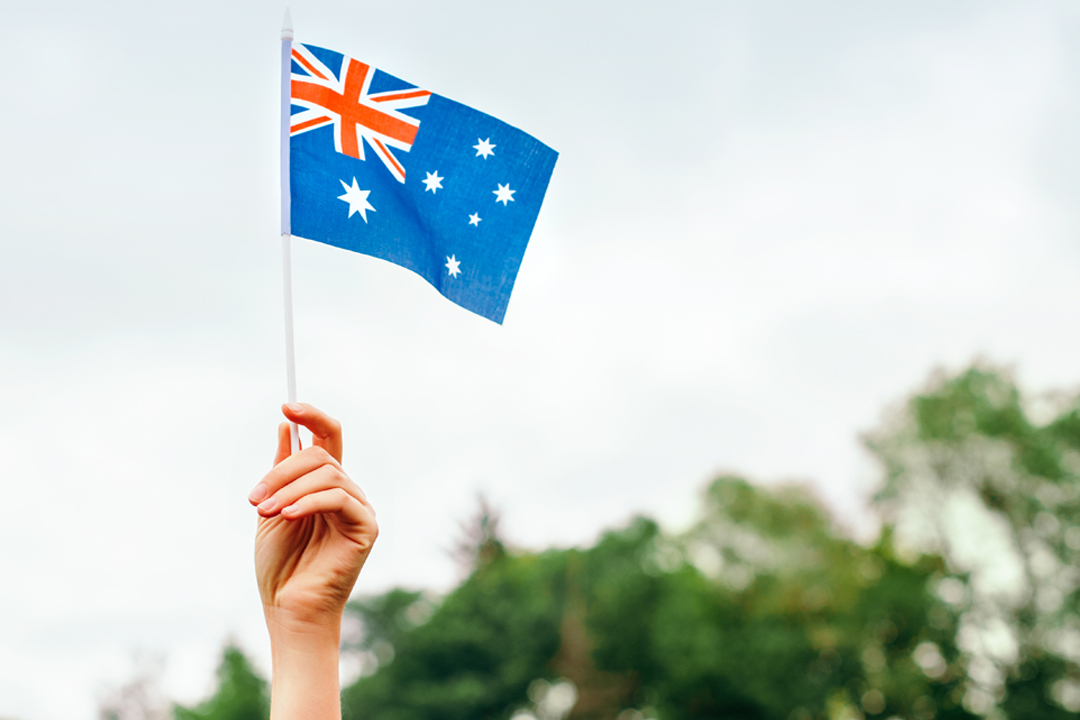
point(769, 221)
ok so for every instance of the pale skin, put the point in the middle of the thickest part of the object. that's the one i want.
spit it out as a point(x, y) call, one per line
point(315, 531)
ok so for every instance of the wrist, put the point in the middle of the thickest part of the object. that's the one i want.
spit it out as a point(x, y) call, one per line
point(302, 631)
point(304, 682)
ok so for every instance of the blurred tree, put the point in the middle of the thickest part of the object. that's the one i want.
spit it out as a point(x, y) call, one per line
point(477, 654)
point(140, 698)
point(970, 475)
point(763, 611)
point(241, 694)
point(480, 542)
point(760, 611)
point(965, 606)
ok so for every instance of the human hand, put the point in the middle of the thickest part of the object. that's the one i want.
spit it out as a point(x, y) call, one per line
point(315, 530)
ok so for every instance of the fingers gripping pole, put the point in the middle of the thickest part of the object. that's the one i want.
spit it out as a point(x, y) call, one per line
point(286, 218)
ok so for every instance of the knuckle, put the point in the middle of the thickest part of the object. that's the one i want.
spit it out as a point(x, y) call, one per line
point(273, 479)
point(322, 456)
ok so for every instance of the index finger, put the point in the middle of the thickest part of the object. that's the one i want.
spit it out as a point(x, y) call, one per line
point(325, 430)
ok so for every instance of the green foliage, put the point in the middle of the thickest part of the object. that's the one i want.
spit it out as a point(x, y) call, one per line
point(967, 446)
point(788, 619)
point(241, 693)
point(764, 610)
point(475, 657)
point(790, 636)
point(386, 618)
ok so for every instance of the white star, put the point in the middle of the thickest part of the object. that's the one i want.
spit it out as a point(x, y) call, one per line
point(474, 219)
point(484, 148)
point(504, 193)
point(433, 182)
point(452, 266)
point(357, 199)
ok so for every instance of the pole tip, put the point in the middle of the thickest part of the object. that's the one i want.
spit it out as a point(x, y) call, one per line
point(286, 26)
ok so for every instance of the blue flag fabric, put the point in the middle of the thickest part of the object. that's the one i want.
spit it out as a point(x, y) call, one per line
point(384, 168)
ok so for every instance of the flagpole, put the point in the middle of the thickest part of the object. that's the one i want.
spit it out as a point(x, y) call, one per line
point(286, 219)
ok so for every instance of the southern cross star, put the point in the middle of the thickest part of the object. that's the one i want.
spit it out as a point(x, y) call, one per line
point(504, 193)
point(433, 182)
point(484, 148)
point(474, 219)
point(452, 264)
point(357, 199)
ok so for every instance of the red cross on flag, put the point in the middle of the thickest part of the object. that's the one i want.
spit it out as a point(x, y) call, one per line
point(343, 99)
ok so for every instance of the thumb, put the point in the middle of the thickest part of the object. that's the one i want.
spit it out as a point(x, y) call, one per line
point(284, 443)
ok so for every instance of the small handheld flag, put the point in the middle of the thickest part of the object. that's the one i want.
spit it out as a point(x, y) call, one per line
point(385, 168)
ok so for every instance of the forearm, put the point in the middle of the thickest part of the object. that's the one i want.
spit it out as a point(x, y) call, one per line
point(304, 684)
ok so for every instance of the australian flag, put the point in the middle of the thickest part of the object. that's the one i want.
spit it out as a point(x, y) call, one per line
point(381, 167)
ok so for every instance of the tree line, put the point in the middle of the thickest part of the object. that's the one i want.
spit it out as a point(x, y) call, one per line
point(963, 607)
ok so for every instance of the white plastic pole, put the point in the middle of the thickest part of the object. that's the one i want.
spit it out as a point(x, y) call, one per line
point(286, 218)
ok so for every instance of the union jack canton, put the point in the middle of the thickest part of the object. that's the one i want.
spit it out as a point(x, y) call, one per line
point(384, 168)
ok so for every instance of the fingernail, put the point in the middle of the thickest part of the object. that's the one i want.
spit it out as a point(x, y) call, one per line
point(289, 510)
point(295, 408)
point(259, 493)
point(268, 504)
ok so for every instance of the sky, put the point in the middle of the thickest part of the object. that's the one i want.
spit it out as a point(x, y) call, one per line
point(768, 224)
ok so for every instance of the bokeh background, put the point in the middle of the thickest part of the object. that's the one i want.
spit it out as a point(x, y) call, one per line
point(769, 224)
